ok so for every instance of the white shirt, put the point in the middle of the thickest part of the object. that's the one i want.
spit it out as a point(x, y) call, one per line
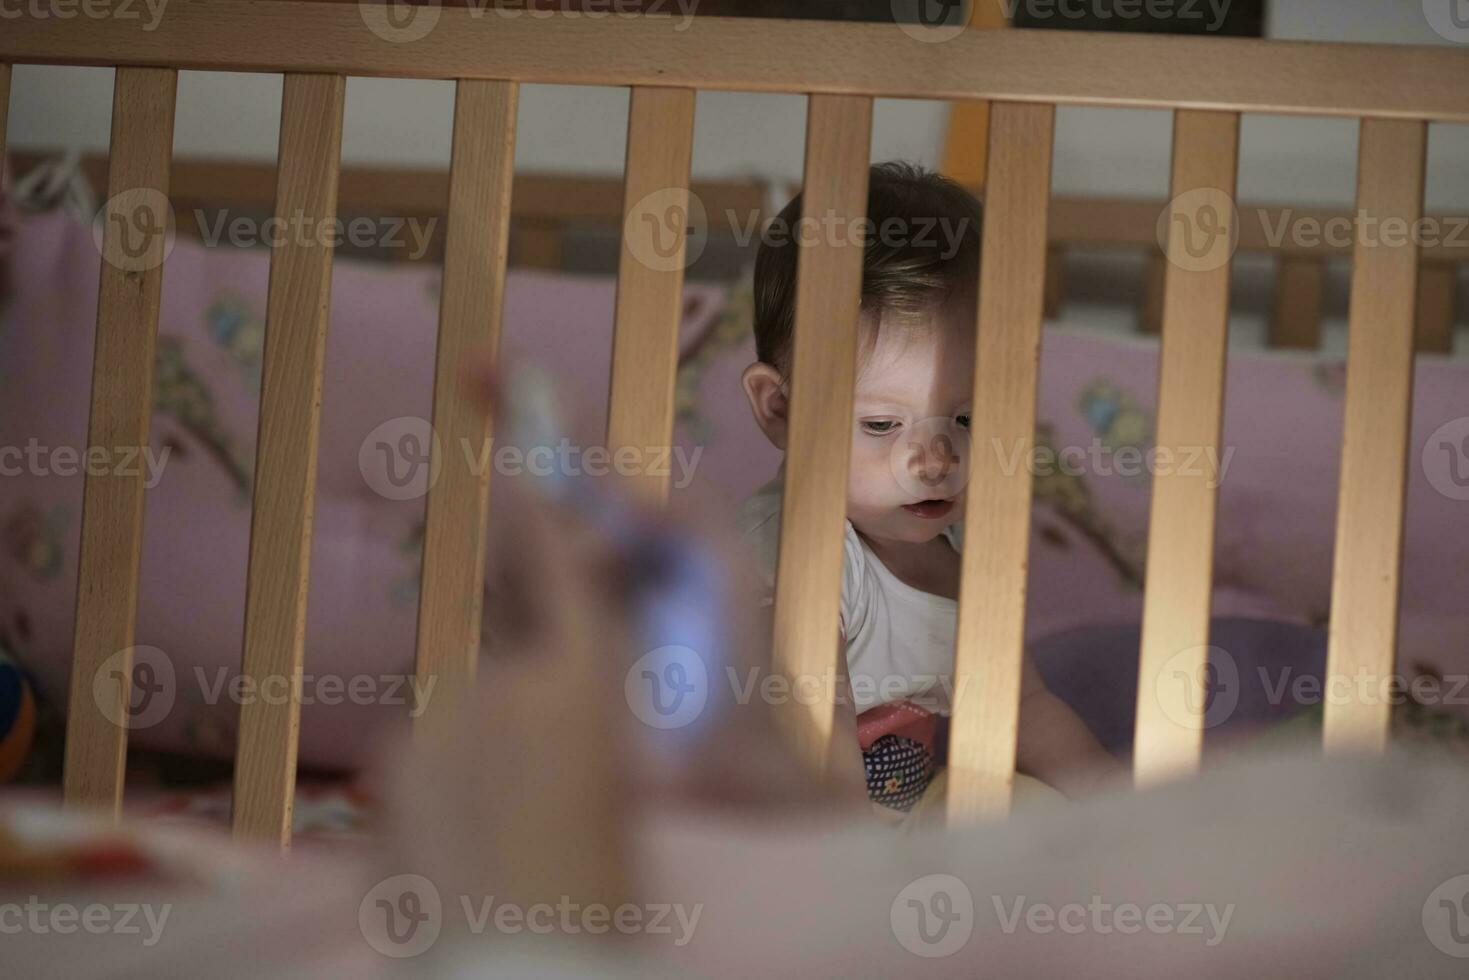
point(900, 640)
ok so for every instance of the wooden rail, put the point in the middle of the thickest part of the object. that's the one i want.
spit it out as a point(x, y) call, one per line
point(134, 247)
point(991, 615)
point(285, 470)
point(1058, 67)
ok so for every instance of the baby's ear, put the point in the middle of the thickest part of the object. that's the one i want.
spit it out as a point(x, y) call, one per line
point(763, 386)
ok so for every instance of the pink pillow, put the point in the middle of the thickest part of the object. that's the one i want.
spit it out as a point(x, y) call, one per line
point(364, 568)
point(1277, 500)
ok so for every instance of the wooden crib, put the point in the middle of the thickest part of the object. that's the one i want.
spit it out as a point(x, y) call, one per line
point(1394, 90)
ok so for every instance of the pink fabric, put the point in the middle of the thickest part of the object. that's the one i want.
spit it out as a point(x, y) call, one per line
point(364, 565)
point(1277, 499)
point(1276, 504)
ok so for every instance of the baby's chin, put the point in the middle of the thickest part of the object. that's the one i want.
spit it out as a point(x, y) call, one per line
point(902, 526)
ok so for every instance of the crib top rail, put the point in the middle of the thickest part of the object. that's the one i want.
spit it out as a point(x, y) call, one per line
point(1061, 67)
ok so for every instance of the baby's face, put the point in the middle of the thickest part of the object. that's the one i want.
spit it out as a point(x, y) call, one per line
point(910, 440)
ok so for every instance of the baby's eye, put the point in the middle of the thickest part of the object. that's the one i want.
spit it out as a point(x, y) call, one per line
point(879, 427)
point(962, 420)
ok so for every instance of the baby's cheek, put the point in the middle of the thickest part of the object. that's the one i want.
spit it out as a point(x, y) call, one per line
point(870, 483)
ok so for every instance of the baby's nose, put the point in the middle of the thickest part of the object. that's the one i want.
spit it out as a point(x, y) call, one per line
point(936, 455)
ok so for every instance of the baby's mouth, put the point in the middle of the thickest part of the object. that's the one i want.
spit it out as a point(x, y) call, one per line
point(930, 509)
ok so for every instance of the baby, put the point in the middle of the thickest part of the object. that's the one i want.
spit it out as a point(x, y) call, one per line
point(900, 576)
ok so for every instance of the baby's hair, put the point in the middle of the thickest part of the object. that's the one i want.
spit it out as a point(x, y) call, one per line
point(922, 249)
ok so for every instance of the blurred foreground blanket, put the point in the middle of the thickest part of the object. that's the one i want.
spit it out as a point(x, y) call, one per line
point(1287, 867)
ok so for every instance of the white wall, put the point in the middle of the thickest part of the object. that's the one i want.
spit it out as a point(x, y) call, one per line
point(580, 129)
point(561, 128)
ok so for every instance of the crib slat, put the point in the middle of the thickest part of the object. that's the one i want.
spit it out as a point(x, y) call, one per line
point(122, 404)
point(4, 112)
point(1300, 284)
point(1369, 520)
point(656, 223)
point(823, 371)
point(1055, 281)
point(1150, 310)
point(991, 617)
point(470, 316)
point(1437, 284)
point(1180, 559)
point(285, 468)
